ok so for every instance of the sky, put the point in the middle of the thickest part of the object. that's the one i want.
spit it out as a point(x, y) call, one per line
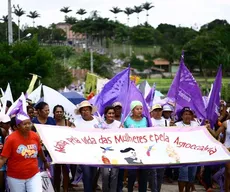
point(188, 13)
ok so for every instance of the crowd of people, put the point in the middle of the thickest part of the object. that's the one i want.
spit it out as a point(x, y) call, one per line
point(23, 156)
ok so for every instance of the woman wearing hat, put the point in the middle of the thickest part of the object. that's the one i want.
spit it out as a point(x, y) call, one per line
point(157, 175)
point(87, 120)
point(136, 120)
point(20, 151)
point(186, 174)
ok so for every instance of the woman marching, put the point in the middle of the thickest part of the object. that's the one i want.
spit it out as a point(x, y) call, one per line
point(110, 175)
point(136, 120)
point(58, 112)
point(20, 152)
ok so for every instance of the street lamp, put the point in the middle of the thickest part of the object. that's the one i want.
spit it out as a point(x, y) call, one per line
point(10, 28)
point(27, 35)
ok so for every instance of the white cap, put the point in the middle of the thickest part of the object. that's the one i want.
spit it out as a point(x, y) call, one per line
point(167, 108)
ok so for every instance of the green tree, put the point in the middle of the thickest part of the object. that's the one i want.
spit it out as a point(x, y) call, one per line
point(18, 11)
point(70, 20)
point(204, 52)
point(65, 10)
point(33, 15)
point(115, 11)
point(171, 53)
point(22, 58)
point(102, 64)
point(128, 11)
point(137, 10)
point(146, 37)
point(81, 12)
point(59, 76)
point(147, 6)
point(5, 25)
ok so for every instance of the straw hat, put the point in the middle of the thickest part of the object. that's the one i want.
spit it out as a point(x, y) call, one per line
point(85, 104)
point(156, 106)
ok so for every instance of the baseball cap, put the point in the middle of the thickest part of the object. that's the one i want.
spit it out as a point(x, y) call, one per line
point(4, 118)
point(116, 104)
point(167, 108)
point(186, 109)
point(156, 106)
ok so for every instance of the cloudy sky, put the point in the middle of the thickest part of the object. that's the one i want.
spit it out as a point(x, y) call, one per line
point(177, 12)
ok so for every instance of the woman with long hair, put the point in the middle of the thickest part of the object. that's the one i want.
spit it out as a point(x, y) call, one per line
point(59, 117)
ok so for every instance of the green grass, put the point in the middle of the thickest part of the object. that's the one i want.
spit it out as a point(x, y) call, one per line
point(116, 49)
point(164, 84)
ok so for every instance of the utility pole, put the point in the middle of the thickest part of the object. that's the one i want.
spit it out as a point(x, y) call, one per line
point(91, 60)
point(10, 29)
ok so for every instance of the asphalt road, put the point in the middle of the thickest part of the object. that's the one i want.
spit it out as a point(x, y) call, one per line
point(165, 188)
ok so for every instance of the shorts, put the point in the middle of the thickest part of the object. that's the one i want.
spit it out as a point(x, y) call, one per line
point(187, 174)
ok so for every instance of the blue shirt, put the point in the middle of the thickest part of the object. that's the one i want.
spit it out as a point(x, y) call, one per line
point(50, 121)
point(130, 123)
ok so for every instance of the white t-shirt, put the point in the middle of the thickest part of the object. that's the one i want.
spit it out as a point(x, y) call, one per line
point(114, 125)
point(160, 122)
point(81, 123)
point(192, 124)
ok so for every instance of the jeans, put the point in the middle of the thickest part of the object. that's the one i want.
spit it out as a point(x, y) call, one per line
point(157, 176)
point(109, 179)
point(120, 180)
point(187, 174)
point(34, 184)
point(88, 176)
point(142, 181)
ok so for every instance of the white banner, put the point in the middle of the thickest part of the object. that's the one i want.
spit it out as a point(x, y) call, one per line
point(126, 147)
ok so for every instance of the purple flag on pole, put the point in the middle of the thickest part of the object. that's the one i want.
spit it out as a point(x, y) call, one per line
point(212, 110)
point(115, 90)
point(186, 92)
point(135, 94)
point(150, 96)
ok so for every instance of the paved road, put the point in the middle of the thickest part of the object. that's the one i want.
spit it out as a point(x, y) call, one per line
point(165, 188)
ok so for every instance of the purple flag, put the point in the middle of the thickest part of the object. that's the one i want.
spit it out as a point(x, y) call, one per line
point(212, 110)
point(150, 96)
point(186, 92)
point(135, 94)
point(115, 90)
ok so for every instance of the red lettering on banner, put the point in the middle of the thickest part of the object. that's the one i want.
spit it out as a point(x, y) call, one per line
point(74, 140)
point(127, 138)
point(60, 146)
point(162, 137)
point(187, 145)
point(89, 140)
point(151, 138)
point(105, 140)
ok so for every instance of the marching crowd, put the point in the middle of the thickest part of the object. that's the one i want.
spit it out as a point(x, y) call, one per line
point(23, 156)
